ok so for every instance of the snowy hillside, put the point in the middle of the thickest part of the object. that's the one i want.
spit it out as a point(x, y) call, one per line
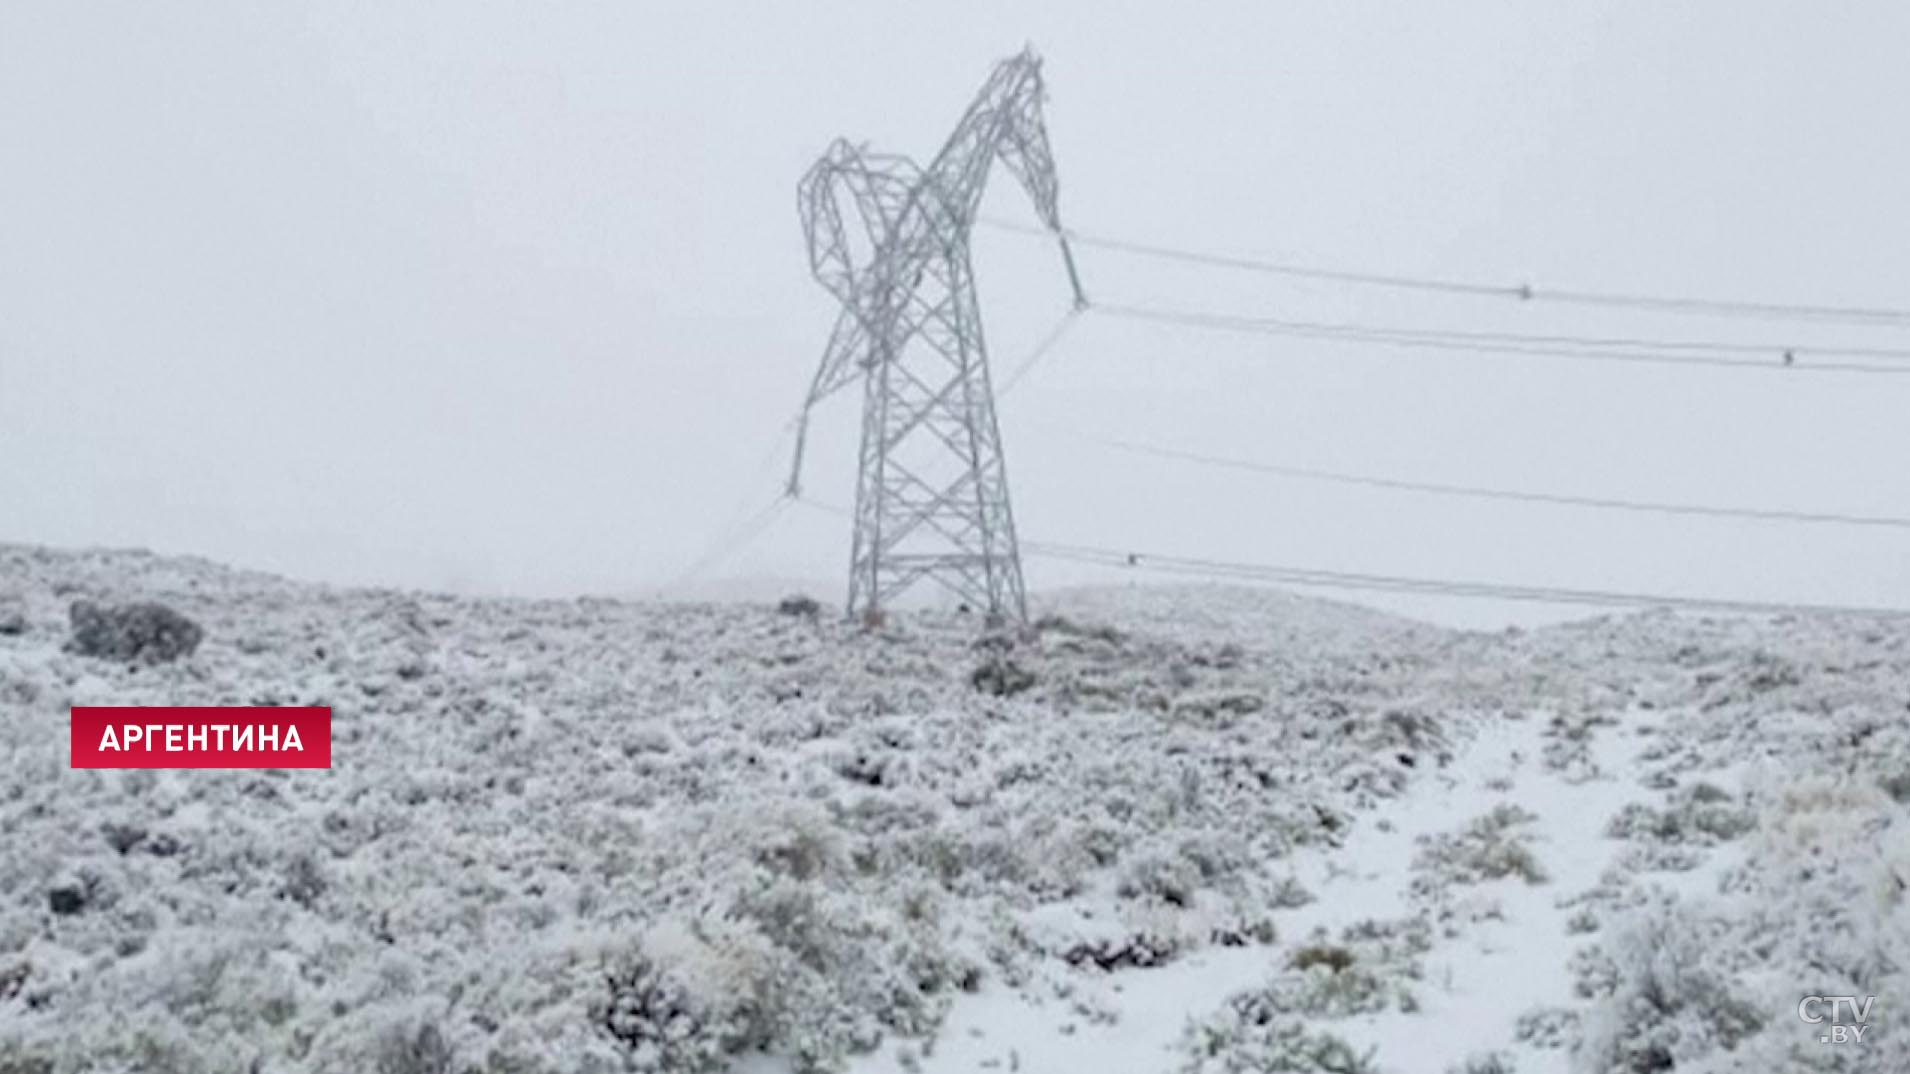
point(1175, 830)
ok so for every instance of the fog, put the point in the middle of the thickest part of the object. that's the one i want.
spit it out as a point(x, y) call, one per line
point(513, 299)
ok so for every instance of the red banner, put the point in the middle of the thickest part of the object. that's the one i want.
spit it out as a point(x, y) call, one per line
point(210, 736)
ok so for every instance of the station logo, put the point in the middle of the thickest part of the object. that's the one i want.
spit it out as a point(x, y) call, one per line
point(1841, 1019)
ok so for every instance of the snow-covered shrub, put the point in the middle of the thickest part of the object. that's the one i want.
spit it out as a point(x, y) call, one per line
point(1322, 991)
point(1395, 942)
point(1491, 847)
point(1288, 893)
point(1055, 623)
point(304, 880)
point(800, 842)
point(19, 1057)
point(1141, 950)
point(1762, 673)
point(1331, 956)
point(1246, 928)
point(1001, 677)
point(1255, 1039)
point(1669, 1000)
point(830, 972)
point(658, 1019)
point(419, 1050)
point(1819, 811)
point(1701, 813)
point(1368, 971)
point(688, 998)
point(1485, 1063)
point(1547, 1027)
point(1162, 874)
point(1569, 737)
point(1407, 731)
point(1218, 708)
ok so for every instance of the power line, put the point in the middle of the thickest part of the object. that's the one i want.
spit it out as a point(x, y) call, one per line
point(1765, 350)
point(1521, 292)
point(1330, 579)
point(1221, 569)
point(825, 508)
point(1482, 492)
point(751, 517)
point(734, 540)
point(1040, 350)
point(1476, 342)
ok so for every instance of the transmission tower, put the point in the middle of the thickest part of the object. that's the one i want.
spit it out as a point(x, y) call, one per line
point(889, 238)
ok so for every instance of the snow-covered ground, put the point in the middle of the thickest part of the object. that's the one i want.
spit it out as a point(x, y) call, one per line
point(1174, 830)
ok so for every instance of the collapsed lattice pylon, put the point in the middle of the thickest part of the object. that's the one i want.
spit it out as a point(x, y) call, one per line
point(890, 240)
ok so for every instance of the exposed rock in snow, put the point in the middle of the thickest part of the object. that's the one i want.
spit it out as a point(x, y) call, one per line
point(146, 631)
point(799, 604)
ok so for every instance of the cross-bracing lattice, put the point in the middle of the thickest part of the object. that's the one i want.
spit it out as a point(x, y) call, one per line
point(890, 240)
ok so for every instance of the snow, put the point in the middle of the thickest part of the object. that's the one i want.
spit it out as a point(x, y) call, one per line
point(603, 835)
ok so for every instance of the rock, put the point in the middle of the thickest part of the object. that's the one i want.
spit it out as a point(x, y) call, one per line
point(67, 899)
point(150, 632)
point(801, 605)
point(12, 622)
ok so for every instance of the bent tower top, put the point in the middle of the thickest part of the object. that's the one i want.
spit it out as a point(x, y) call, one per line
point(890, 239)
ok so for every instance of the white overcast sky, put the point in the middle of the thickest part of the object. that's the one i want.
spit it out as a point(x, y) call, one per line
point(514, 297)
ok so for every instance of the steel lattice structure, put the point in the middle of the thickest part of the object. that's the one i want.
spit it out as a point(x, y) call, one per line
point(890, 239)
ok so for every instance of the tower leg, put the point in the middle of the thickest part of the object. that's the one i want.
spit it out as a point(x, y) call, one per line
point(932, 490)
